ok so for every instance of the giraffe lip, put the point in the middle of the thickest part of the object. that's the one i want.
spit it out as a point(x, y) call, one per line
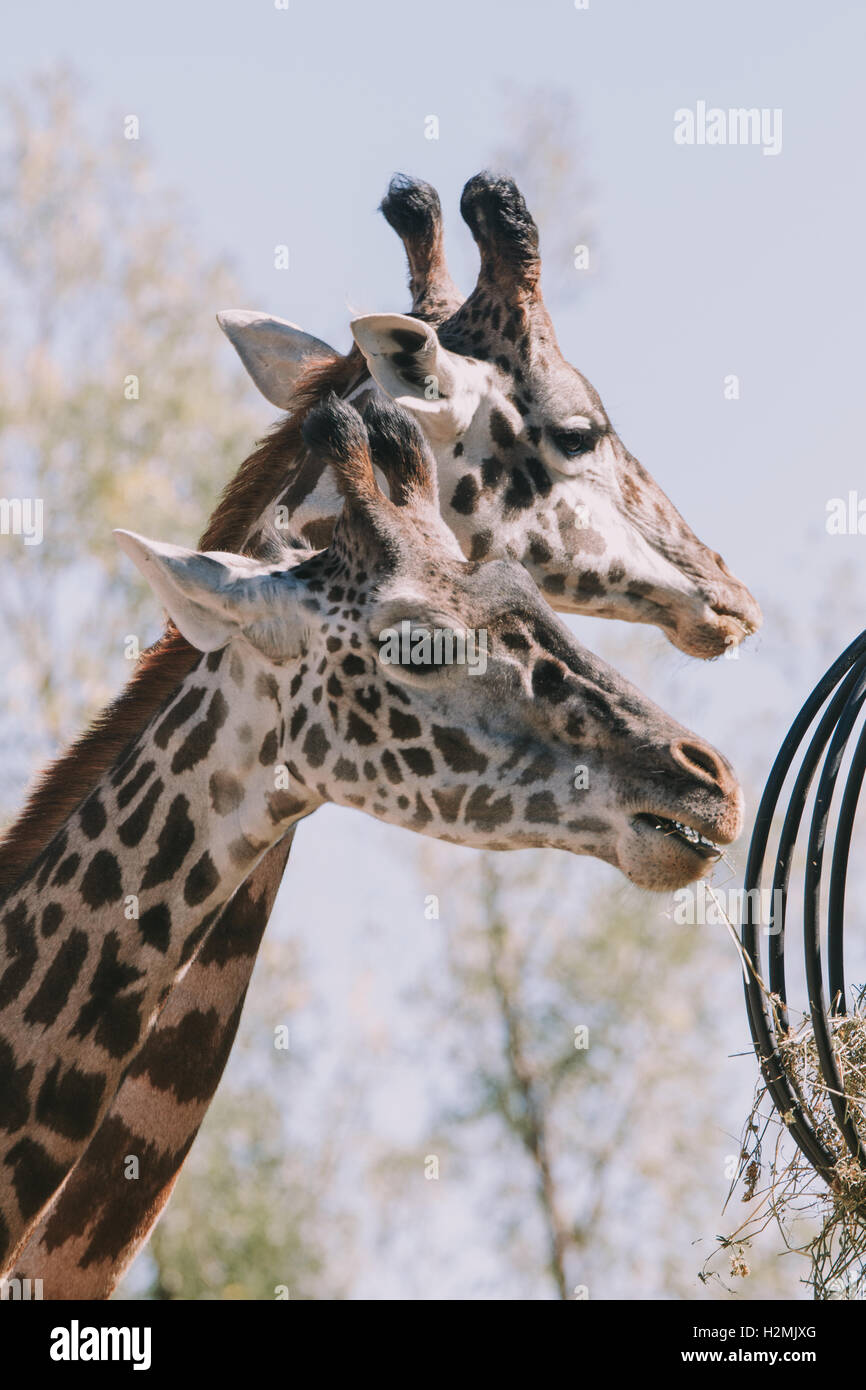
point(684, 834)
point(746, 627)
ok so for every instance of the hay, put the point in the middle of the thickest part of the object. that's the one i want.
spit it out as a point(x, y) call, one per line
point(824, 1223)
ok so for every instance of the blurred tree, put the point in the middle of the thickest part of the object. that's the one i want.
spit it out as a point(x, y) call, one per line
point(545, 155)
point(254, 1210)
point(240, 1224)
point(119, 403)
point(577, 1024)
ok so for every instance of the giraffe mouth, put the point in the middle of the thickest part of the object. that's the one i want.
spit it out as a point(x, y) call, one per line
point(684, 834)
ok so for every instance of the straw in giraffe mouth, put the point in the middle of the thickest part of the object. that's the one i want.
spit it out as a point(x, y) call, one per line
point(686, 834)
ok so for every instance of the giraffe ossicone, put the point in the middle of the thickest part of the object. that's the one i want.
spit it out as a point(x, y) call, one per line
point(290, 682)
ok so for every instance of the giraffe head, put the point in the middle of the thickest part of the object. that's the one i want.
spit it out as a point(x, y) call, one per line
point(528, 461)
point(442, 694)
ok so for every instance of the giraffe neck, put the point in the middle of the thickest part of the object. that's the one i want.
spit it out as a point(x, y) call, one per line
point(32, 939)
point(93, 1230)
point(115, 907)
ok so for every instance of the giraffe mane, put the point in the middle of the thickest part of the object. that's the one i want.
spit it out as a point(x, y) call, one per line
point(261, 478)
point(67, 779)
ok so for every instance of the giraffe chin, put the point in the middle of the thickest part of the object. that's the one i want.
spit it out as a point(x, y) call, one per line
point(718, 634)
point(656, 854)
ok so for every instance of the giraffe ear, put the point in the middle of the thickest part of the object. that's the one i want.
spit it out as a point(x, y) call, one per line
point(408, 361)
point(212, 597)
point(274, 351)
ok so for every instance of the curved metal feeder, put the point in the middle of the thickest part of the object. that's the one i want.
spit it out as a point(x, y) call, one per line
point(840, 695)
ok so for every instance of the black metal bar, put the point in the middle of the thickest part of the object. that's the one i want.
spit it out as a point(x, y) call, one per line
point(839, 875)
point(812, 913)
point(764, 1027)
point(788, 841)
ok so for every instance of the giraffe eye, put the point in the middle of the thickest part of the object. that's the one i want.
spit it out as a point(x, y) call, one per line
point(424, 650)
point(573, 443)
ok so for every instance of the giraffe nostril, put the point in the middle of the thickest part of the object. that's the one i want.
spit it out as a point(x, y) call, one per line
point(699, 758)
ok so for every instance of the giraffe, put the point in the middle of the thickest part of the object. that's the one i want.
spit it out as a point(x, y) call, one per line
point(295, 701)
point(98, 1224)
point(528, 460)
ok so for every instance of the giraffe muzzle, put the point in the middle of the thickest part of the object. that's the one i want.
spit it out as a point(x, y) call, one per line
point(677, 836)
